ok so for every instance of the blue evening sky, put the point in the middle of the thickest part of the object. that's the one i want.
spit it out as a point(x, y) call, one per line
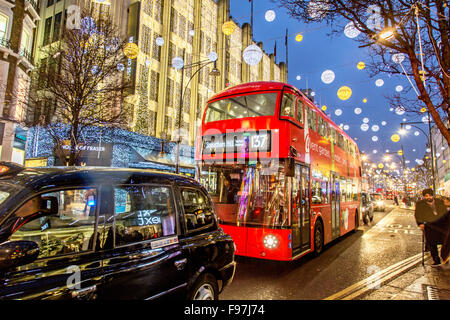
point(318, 52)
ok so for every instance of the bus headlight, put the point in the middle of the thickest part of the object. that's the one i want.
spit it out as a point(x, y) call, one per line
point(270, 241)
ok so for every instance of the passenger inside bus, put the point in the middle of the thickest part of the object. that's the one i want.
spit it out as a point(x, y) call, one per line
point(231, 190)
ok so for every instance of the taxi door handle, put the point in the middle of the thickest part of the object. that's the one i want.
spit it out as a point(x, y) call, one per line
point(180, 264)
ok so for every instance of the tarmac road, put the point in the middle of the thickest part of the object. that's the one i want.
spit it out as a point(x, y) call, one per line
point(389, 239)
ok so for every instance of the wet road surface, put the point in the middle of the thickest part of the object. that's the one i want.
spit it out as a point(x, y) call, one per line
point(390, 238)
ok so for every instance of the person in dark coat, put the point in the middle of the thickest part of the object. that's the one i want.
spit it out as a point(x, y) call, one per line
point(430, 215)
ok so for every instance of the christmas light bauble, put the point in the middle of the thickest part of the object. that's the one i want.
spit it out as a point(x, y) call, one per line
point(252, 55)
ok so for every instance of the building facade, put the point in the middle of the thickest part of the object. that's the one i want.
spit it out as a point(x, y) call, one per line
point(167, 102)
point(442, 160)
point(18, 20)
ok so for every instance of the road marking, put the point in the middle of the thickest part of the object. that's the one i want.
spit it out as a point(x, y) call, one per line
point(380, 278)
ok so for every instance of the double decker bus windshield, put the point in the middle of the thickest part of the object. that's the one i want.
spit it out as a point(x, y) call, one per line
point(250, 194)
point(246, 106)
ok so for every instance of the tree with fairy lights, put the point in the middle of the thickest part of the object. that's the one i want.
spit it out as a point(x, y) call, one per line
point(79, 84)
point(410, 38)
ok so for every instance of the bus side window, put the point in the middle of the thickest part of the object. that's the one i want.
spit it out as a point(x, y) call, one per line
point(300, 110)
point(288, 105)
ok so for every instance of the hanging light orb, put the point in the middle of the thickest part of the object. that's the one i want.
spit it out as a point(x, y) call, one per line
point(159, 41)
point(383, 123)
point(346, 127)
point(313, 94)
point(178, 63)
point(344, 93)
point(423, 110)
point(364, 100)
point(324, 108)
point(400, 110)
point(364, 127)
point(270, 15)
point(374, 151)
point(228, 28)
point(366, 120)
point(299, 37)
point(120, 67)
point(338, 112)
point(375, 128)
point(400, 152)
point(361, 65)
point(327, 76)
point(398, 57)
point(252, 55)
point(131, 50)
point(379, 83)
point(425, 119)
point(358, 110)
point(374, 138)
point(212, 56)
point(299, 77)
point(380, 165)
point(395, 138)
point(351, 31)
point(416, 133)
point(399, 88)
point(423, 75)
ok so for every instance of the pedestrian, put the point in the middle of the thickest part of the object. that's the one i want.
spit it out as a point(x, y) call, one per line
point(396, 200)
point(430, 215)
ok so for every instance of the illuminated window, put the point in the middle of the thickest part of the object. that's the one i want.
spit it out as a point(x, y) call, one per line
point(3, 26)
point(197, 209)
point(67, 230)
point(143, 213)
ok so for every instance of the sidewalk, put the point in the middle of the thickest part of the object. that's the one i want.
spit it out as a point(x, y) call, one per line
point(418, 283)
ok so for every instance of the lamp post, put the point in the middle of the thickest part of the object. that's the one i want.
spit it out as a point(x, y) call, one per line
point(430, 141)
point(201, 65)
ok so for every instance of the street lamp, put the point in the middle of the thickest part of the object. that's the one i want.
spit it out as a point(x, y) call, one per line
point(201, 64)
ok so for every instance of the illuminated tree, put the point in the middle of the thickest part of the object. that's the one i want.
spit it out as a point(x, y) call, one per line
point(390, 30)
point(79, 84)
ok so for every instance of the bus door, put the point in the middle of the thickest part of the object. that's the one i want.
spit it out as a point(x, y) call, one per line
point(335, 206)
point(301, 204)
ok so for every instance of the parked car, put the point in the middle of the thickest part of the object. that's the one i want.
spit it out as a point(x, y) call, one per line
point(378, 201)
point(367, 207)
point(80, 233)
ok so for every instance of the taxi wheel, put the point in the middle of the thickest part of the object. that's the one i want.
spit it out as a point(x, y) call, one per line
point(205, 288)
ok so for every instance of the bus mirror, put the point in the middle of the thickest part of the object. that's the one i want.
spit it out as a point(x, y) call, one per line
point(289, 167)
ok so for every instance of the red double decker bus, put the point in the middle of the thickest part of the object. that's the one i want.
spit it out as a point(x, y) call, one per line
point(284, 179)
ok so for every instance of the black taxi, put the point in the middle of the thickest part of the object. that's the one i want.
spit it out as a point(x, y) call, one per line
point(104, 233)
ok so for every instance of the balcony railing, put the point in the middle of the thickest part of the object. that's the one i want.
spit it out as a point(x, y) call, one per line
point(27, 55)
point(5, 43)
point(35, 4)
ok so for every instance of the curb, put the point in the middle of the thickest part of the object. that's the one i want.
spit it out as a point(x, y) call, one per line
point(377, 280)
